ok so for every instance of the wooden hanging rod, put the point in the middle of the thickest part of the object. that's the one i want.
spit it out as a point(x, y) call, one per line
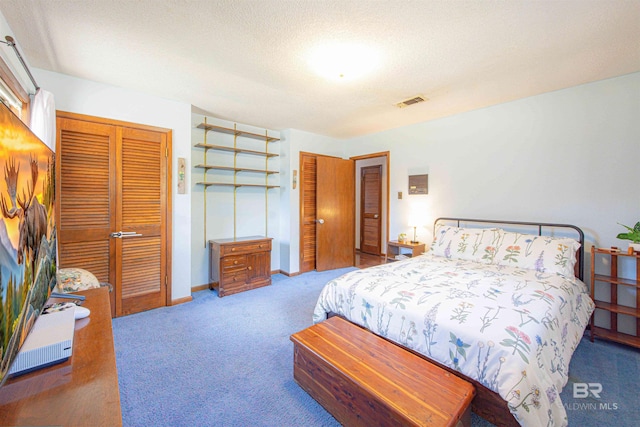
point(11, 42)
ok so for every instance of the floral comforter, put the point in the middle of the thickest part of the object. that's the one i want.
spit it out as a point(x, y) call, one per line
point(513, 330)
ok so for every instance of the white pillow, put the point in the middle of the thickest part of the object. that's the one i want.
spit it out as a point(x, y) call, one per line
point(541, 253)
point(473, 244)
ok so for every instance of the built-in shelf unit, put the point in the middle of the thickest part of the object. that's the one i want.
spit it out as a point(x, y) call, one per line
point(238, 169)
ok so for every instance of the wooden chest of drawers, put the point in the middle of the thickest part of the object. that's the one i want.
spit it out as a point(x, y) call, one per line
point(239, 264)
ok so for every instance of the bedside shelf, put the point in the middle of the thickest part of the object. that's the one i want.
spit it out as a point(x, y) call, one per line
point(616, 280)
point(616, 308)
point(613, 281)
point(619, 337)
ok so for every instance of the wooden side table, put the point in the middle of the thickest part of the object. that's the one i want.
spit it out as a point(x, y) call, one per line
point(394, 248)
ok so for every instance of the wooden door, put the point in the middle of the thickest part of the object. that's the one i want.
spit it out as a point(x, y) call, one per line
point(335, 212)
point(143, 198)
point(370, 209)
point(112, 178)
point(85, 191)
point(307, 212)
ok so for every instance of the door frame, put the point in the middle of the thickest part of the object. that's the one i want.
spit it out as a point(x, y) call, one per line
point(168, 156)
point(386, 154)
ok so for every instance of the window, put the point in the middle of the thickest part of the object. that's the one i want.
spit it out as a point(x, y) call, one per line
point(13, 94)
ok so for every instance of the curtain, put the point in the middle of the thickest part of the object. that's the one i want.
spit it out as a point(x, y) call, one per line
point(43, 117)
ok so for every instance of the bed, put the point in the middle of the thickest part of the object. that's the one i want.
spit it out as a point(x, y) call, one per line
point(503, 309)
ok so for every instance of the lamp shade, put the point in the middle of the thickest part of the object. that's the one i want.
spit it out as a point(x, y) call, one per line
point(415, 220)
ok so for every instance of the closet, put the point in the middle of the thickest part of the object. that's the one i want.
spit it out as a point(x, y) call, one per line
point(114, 207)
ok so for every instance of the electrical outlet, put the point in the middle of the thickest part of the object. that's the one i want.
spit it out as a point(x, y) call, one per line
point(399, 195)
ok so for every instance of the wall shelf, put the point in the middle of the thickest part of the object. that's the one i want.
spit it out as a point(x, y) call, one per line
point(235, 150)
point(229, 168)
point(239, 157)
point(236, 132)
point(230, 184)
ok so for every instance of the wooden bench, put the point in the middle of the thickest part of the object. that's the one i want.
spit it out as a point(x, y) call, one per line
point(364, 380)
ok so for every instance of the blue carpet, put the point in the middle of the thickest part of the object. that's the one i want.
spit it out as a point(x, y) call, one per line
point(229, 361)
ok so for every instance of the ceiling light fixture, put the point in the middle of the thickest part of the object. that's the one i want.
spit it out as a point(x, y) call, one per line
point(343, 61)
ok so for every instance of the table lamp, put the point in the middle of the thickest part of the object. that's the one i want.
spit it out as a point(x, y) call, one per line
point(415, 222)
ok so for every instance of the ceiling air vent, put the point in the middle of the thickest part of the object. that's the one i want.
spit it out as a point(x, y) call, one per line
point(411, 101)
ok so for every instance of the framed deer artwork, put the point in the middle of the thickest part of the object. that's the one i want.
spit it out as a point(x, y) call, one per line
point(27, 232)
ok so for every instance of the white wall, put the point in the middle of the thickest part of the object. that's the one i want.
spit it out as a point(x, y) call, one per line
point(250, 202)
point(568, 156)
point(96, 99)
point(565, 156)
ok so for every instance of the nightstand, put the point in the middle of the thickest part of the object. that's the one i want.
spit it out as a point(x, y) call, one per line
point(613, 285)
point(395, 248)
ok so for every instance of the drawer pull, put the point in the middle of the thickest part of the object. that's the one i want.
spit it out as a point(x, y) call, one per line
point(259, 246)
point(249, 268)
point(235, 262)
point(233, 249)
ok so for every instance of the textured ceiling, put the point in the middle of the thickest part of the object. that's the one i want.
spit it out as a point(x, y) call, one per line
point(247, 61)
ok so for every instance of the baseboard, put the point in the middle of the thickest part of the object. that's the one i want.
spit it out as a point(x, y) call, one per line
point(182, 300)
point(284, 272)
point(200, 287)
point(289, 274)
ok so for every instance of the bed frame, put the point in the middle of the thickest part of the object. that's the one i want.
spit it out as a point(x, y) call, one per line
point(487, 403)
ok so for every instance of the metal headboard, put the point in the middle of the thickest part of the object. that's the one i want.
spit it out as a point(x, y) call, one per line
point(539, 225)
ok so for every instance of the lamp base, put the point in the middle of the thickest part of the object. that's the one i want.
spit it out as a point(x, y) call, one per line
point(415, 239)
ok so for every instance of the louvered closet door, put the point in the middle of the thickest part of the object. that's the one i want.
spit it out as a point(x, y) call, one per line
point(308, 212)
point(143, 267)
point(115, 178)
point(85, 189)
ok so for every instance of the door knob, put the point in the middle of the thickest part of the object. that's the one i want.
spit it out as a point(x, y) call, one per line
point(320, 221)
